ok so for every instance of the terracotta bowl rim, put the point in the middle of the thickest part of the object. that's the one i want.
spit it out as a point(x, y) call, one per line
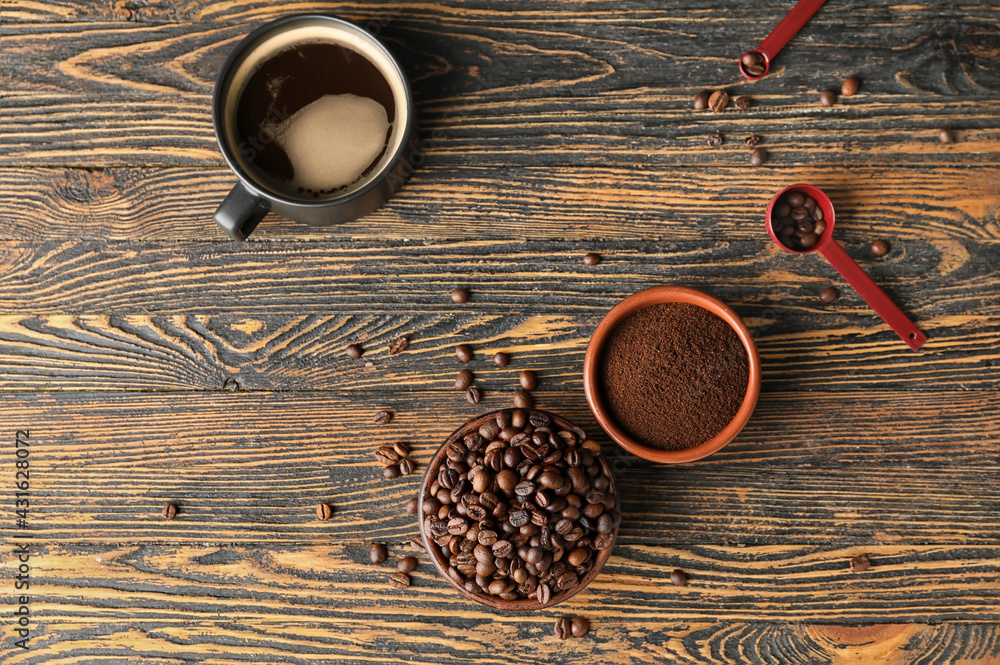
point(525, 605)
point(654, 296)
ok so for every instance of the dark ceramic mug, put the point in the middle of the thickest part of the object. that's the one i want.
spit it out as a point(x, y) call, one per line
point(255, 194)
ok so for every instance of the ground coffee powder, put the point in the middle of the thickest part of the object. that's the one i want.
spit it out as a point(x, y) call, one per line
point(673, 375)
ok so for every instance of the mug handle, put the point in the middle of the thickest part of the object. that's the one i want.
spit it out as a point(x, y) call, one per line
point(240, 212)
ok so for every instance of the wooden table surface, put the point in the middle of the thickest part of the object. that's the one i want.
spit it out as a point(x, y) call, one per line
point(151, 360)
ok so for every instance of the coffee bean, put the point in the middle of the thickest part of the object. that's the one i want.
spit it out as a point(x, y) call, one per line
point(742, 103)
point(387, 455)
point(880, 247)
point(411, 506)
point(718, 100)
point(324, 511)
point(501, 359)
point(399, 580)
point(464, 352)
point(860, 563)
point(382, 418)
point(829, 294)
point(751, 58)
point(580, 627)
point(473, 395)
point(756, 70)
point(945, 135)
point(523, 399)
point(401, 448)
point(378, 553)
point(850, 87)
point(563, 628)
point(459, 296)
point(169, 511)
point(795, 199)
point(406, 564)
point(543, 594)
point(464, 379)
point(678, 577)
point(354, 351)
point(701, 101)
point(417, 545)
point(808, 240)
point(391, 472)
point(751, 140)
point(828, 98)
point(591, 259)
point(758, 157)
point(398, 346)
point(406, 467)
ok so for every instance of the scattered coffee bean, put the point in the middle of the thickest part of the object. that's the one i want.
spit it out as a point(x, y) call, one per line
point(860, 563)
point(742, 103)
point(580, 627)
point(678, 577)
point(459, 296)
point(406, 467)
point(528, 379)
point(829, 294)
point(501, 359)
point(945, 135)
point(386, 455)
point(401, 448)
point(507, 507)
point(828, 98)
point(758, 157)
point(378, 553)
point(464, 352)
point(751, 140)
point(798, 221)
point(169, 511)
point(464, 379)
point(715, 140)
point(354, 351)
point(406, 564)
point(391, 472)
point(880, 247)
point(718, 100)
point(399, 580)
point(562, 628)
point(523, 399)
point(398, 346)
point(411, 506)
point(473, 395)
point(591, 259)
point(382, 418)
point(701, 101)
point(324, 511)
point(850, 87)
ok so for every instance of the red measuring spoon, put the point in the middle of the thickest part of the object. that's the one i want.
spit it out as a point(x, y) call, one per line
point(783, 32)
point(847, 268)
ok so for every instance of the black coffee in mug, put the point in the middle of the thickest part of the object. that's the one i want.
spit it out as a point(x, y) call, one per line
point(312, 112)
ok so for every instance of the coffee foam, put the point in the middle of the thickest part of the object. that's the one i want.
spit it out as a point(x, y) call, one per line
point(311, 149)
point(332, 141)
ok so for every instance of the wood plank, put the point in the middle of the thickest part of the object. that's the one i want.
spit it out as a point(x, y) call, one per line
point(928, 278)
point(454, 640)
point(530, 203)
point(530, 90)
point(141, 352)
point(863, 468)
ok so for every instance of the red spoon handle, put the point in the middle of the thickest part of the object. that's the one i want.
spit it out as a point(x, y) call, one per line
point(789, 25)
point(873, 295)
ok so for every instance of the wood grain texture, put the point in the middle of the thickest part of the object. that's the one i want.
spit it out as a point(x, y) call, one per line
point(860, 468)
point(141, 352)
point(577, 203)
point(532, 89)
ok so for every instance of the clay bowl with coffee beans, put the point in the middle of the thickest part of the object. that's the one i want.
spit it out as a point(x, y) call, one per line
point(672, 374)
point(518, 510)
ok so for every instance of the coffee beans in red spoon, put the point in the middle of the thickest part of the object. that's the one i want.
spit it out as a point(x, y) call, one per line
point(798, 221)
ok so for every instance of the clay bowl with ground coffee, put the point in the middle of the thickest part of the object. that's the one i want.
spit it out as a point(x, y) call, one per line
point(672, 374)
point(518, 510)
